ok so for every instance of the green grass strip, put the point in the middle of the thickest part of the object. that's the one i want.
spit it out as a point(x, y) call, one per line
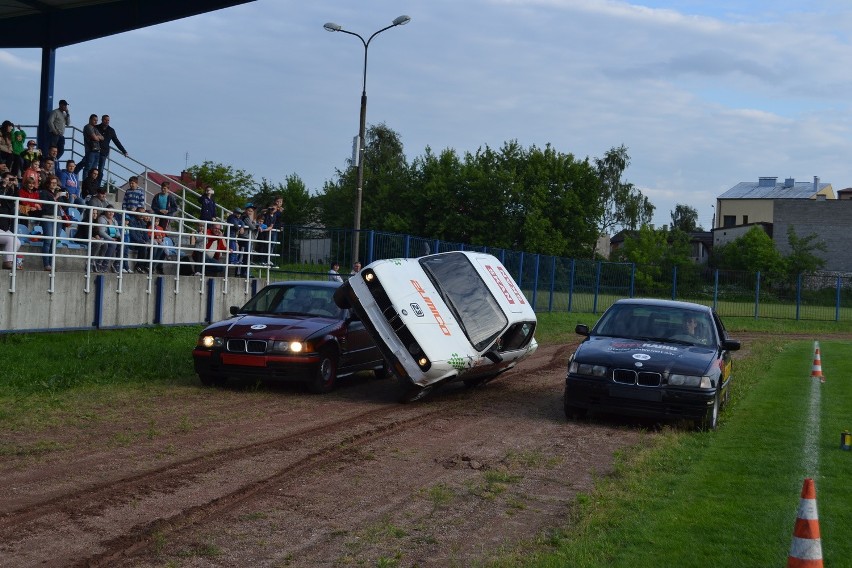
point(727, 498)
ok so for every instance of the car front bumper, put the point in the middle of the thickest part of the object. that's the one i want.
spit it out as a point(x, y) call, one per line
point(216, 363)
point(633, 400)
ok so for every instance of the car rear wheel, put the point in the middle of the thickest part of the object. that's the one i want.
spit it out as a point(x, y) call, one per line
point(325, 373)
point(711, 418)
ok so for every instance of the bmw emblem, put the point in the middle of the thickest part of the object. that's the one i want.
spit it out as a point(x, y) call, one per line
point(404, 312)
point(258, 326)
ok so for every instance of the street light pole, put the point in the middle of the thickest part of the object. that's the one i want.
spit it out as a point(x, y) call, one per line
point(332, 27)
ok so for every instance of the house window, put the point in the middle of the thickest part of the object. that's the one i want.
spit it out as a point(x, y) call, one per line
point(745, 219)
point(729, 221)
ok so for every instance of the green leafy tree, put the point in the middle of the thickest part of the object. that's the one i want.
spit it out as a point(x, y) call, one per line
point(685, 218)
point(655, 252)
point(802, 257)
point(232, 187)
point(752, 252)
point(622, 206)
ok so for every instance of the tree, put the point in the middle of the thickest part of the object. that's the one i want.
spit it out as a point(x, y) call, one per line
point(685, 218)
point(232, 187)
point(754, 251)
point(622, 206)
point(802, 258)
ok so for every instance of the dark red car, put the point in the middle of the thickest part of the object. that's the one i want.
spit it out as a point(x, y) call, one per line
point(291, 331)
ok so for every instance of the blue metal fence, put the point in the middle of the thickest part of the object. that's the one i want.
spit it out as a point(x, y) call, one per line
point(558, 284)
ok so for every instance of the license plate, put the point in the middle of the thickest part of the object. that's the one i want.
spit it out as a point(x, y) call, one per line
point(243, 360)
point(651, 395)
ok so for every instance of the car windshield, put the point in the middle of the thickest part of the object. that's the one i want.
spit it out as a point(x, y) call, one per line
point(467, 296)
point(658, 323)
point(297, 299)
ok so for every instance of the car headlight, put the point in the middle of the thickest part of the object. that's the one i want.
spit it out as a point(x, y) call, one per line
point(690, 381)
point(288, 347)
point(210, 341)
point(587, 369)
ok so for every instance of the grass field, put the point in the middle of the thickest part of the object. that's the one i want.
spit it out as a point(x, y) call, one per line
point(723, 498)
point(728, 498)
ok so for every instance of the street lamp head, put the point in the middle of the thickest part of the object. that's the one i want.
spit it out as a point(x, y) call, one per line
point(400, 21)
point(332, 27)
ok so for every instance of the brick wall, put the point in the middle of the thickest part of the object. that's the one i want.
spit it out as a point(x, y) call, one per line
point(831, 220)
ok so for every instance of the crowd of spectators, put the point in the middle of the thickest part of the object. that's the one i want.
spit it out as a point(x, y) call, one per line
point(76, 204)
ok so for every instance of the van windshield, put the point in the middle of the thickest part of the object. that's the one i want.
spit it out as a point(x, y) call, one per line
point(464, 291)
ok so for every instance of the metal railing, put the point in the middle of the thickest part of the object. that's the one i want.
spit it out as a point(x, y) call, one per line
point(74, 236)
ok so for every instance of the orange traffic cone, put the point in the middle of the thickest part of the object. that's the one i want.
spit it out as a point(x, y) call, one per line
point(816, 370)
point(806, 550)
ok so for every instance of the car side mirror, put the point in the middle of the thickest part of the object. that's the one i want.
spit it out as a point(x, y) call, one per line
point(582, 329)
point(731, 345)
point(493, 356)
point(352, 316)
point(234, 310)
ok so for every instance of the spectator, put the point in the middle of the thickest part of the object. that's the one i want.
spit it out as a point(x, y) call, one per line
point(59, 120)
point(191, 246)
point(90, 184)
point(208, 205)
point(110, 237)
point(237, 235)
point(9, 242)
point(50, 212)
point(29, 190)
point(140, 239)
point(19, 139)
point(333, 274)
point(69, 183)
point(95, 202)
point(48, 168)
point(31, 154)
point(216, 250)
point(250, 227)
point(356, 268)
point(92, 144)
point(109, 135)
point(34, 171)
point(164, 203)
point(134, 197)
point(8, 155)
point(53, 156)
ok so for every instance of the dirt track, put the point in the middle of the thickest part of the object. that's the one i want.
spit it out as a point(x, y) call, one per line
point(275, 477)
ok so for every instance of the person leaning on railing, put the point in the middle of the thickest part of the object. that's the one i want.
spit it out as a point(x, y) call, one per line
point(8, 240)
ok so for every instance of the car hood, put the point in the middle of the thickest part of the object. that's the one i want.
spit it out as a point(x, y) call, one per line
point(260, 327)
point(653, 356)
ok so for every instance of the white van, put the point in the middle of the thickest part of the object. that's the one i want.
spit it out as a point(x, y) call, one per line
point(442, 317)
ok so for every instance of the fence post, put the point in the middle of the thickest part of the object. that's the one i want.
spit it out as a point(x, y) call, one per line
point(837, 301)
point(716, 289)
point(371, 243)
point(757, 297)
point(571, 285)
point(552, 283)
point(406, 247)
point(520, 269)
point(597, 287)
point(674, 282)
point(535, 280)
point(632, 279)
point(798, 295)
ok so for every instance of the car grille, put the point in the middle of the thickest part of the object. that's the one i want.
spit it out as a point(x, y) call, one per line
point(631, 377)
point(246, 346)
point(388, 311)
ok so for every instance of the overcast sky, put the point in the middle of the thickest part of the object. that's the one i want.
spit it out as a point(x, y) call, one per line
point(704, 94)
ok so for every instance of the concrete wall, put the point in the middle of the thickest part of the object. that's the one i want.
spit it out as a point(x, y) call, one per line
point(757, 210)
point(829, 219)
point(35, 301)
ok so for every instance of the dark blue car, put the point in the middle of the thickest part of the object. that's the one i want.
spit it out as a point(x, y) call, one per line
point(653, 358)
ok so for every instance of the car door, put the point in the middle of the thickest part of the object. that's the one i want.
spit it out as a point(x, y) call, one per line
point(359, 349)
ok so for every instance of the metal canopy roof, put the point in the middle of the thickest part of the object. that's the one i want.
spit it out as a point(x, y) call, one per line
point(50, 24)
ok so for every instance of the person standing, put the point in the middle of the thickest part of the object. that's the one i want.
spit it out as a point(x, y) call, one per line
point(134, 197)
point(92, 143)
point(57, 122)
point(333, 274)
point(109, 135)
point(208, 205)
point(164, 203)
point(356, 268)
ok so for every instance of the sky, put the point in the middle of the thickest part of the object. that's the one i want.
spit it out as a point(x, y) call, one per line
point(704, 94)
